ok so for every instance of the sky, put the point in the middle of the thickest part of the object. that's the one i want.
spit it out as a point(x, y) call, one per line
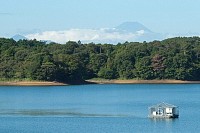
point(33, 18)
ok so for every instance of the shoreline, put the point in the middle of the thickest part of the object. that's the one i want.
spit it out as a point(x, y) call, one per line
point(31, 83)
point(103, 81)
point(142, 81)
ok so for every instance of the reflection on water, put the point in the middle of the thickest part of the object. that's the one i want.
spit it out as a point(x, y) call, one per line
point(167, 121)
point(162, 120)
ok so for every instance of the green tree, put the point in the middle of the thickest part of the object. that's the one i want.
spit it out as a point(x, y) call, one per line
point(106, 73)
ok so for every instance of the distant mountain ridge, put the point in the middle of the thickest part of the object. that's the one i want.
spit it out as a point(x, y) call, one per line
point(141, 33)
point(127, 31)
point(19, 37)
point(132, 27)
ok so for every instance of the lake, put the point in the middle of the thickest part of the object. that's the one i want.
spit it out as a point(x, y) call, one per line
point(109, 108)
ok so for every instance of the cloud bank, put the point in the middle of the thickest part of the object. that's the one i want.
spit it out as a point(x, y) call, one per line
point(104, 35)
point(127, 31)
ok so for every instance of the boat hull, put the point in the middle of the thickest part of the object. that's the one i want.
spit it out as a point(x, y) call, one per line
point(164, 116)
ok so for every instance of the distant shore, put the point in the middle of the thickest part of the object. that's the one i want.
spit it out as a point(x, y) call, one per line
point(30, 83)
point(142, 82)
point(92, 81)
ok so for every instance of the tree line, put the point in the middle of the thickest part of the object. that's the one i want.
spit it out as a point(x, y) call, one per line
point(174, 58)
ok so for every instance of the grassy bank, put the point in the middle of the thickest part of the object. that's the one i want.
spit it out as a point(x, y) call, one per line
point(135, 81)
point(93, 81)
point(27, 82)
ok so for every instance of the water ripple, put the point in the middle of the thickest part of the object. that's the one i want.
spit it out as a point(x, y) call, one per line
point(53, 112)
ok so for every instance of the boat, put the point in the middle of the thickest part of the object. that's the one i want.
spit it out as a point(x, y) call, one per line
point(163, 110)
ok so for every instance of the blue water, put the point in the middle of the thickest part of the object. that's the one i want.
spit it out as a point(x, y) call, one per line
point(97, 108)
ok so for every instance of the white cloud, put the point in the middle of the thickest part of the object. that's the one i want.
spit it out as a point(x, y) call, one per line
point(87, 35)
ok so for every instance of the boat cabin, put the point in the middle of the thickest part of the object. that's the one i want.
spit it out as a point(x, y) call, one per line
point(163, 110)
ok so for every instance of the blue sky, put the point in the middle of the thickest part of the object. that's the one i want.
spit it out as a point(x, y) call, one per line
point(34, 16)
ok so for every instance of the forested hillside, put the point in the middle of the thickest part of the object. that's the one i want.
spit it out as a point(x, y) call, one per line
point(175, 58)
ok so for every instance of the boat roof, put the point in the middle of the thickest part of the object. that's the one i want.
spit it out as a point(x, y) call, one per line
point(163, 104)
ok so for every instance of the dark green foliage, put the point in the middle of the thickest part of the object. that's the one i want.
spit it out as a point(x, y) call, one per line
point(175, 58)
point(106, 73)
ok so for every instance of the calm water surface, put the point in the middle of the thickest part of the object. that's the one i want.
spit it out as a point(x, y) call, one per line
point(97, 108)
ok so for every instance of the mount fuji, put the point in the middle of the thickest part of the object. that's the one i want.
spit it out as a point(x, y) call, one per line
point(127, 31)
